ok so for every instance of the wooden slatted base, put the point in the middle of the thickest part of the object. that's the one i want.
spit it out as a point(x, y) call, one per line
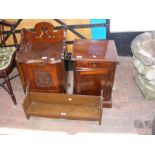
point(53, 105)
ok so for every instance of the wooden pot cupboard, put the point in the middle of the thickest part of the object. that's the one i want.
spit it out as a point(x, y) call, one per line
point(40, 62)
point(94, 68)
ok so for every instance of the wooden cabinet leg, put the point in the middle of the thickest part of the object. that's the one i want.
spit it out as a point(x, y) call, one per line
point(7, 80)
point(27, 116)
point(107, 104)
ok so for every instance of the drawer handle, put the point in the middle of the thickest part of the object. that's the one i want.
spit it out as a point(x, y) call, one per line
point(44, 58)
point(63, 113)
point(69, 99)
point(52, 59)
point(79, 56)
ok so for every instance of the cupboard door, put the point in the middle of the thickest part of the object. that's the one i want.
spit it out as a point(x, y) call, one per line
point(44, 77)
point(92, 82)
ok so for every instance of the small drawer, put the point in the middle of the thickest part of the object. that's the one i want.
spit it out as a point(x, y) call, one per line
point(93, 64)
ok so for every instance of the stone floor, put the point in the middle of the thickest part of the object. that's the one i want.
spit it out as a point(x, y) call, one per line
point(131, 113)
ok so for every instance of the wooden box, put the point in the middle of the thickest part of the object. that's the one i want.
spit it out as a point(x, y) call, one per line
point(56, 105)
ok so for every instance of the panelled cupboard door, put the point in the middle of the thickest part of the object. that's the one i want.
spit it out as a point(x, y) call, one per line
point(94, 81)
point(44, 77)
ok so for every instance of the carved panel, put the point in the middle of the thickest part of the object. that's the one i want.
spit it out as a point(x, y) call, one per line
point(43, 79)
point(44, 32)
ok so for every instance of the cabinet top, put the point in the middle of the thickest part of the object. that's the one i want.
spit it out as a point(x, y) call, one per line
point(94, 50)
point(40, 52)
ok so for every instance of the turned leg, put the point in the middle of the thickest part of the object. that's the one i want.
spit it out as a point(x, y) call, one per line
point(7, 80)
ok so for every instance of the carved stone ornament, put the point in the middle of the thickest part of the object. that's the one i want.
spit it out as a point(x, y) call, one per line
point(143, 49)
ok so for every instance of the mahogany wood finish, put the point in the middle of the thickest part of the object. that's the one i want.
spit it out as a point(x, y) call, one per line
point(44, 77)
point(43, 33)
point(40, 62)
point(95, 64)
point(40, 59)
